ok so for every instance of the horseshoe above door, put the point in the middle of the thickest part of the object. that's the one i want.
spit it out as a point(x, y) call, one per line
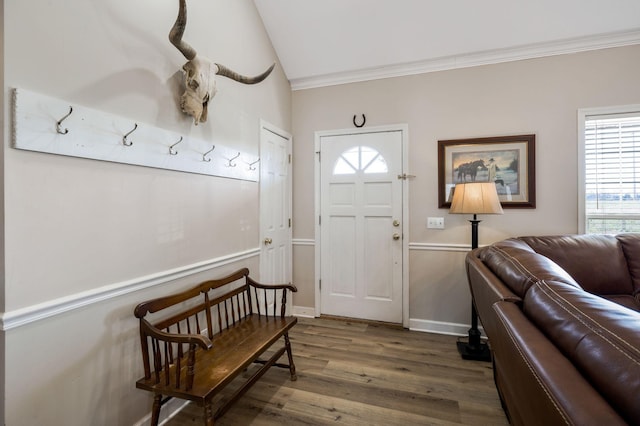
point(364, 120)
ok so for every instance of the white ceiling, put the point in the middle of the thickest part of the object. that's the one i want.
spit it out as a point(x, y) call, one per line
point(325, 42)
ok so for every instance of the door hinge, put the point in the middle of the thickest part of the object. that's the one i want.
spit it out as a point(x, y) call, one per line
point(319, 220)
point(319, 156)
point(320, 284)
point(289, 222)
point(289, 158)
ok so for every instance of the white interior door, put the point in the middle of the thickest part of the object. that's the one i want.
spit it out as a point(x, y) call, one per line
point(361, 214)
point(275, 205)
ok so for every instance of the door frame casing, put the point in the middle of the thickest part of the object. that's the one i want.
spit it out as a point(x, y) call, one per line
point(404, 130)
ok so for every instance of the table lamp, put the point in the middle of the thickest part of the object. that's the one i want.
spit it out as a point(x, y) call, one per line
point(475, 198)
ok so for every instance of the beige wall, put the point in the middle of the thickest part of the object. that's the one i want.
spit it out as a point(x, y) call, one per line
point(78, 230)
point(538, 96)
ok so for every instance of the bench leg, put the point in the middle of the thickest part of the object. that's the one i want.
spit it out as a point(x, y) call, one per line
point(292, 366)
point(208, 414)
point(155, 411)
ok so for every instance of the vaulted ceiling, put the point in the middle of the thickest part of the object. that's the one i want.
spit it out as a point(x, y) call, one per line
point(325, 42)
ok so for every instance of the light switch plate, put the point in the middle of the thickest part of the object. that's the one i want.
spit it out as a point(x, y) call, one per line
point(435, 222)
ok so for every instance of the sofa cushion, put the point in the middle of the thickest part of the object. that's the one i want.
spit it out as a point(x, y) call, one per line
point(600, 337)
point(626, 300)
point(596, 262)
point(631, 248)
point(519, 266)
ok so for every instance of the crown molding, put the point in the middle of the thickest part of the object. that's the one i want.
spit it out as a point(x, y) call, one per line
point(540, 50)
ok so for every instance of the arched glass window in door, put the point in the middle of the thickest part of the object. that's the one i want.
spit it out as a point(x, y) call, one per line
point(360, 158)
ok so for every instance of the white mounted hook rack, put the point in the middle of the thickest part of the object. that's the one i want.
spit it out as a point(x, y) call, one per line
point(93, 134)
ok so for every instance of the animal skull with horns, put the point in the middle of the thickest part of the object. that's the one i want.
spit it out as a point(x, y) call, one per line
point(200, 72)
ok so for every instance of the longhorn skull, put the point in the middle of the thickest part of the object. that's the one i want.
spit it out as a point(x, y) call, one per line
point(200, 72)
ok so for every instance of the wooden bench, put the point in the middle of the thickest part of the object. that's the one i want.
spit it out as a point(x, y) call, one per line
point(207, 335)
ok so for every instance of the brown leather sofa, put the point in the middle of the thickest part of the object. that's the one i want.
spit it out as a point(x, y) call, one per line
point(562, 314)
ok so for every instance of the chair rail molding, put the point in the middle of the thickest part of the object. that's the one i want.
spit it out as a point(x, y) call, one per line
point(22, 316)
point(303, 242)
point(439, 247)
point(412, 246)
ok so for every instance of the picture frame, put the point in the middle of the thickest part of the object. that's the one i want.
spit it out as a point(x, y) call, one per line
point(507, 160)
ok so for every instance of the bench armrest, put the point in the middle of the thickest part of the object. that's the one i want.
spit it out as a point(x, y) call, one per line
point(256, 284)
point(196, 339)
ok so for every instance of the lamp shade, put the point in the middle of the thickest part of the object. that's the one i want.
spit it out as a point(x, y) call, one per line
point(476, 198)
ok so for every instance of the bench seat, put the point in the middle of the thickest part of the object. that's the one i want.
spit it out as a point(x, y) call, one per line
point(233, 351)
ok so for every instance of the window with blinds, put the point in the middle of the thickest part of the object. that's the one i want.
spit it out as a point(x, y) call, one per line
point(612, 173)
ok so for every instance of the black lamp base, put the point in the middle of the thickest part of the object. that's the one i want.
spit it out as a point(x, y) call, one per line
point(475, 353)
point(475, 349)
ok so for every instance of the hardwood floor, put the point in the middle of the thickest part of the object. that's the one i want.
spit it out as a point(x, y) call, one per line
point(366, 374)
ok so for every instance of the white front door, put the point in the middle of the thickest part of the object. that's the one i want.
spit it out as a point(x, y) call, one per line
point(275, 205)
point(361, 230)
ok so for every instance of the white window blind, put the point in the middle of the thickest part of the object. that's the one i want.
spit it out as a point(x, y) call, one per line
point(612, 173)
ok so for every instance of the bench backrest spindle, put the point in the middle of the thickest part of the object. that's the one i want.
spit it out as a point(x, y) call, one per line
point(283, 304)
point(207, 311)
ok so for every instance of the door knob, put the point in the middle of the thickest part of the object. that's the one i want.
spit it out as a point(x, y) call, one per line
point(396, 236)
point(396, 223)
point(267, 241)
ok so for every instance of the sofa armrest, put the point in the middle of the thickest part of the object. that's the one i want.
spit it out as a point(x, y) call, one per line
point(486, 289)
point(537, 382)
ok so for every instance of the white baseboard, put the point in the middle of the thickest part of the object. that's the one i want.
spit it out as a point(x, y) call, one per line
point(439, 327)
point(304, 312)
point(427, 326)
point(169, 410)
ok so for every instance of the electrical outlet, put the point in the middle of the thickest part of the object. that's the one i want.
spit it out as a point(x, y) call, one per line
point(435, 222)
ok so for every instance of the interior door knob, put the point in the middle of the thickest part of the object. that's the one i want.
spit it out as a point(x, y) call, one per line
point(396, 236)
point(267, 241)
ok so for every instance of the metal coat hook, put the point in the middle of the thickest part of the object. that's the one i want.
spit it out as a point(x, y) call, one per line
point(231, 164)
point(59, 123)
point(251, 164)
point(125, 142)
point(171, 150)
point(204, 156)
point(364, 120)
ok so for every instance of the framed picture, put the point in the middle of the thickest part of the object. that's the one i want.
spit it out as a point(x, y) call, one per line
point(509, 161)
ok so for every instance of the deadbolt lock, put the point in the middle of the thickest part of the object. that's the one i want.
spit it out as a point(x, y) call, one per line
point(267, 241)
point(396, 223)
point(396, 236)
